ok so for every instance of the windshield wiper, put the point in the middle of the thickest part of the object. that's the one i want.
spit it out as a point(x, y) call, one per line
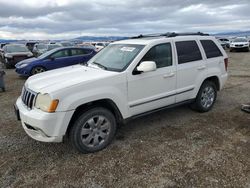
point(100, 65)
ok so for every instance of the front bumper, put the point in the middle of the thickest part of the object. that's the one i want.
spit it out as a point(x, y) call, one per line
point(239, 47)
point(23, 71)
point(42, 126)
point(14, 60)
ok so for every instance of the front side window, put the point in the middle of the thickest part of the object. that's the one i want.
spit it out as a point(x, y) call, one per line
point(60, 54)
point(116, 57)
point(188, 51)
point(211, 49)
point(160, 54)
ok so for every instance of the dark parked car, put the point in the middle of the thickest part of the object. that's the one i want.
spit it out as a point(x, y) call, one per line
point(30, 45)
point(53, 59)
point(11, 54)
point(225, 43)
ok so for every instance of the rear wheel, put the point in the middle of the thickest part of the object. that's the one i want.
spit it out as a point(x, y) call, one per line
point(37, 70)
point(93, 130)
point(206, 97)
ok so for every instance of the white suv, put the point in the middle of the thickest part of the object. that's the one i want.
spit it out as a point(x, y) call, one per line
point(125, 80)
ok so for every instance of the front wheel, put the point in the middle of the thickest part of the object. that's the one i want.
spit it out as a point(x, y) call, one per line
point(37, 70)
point(206, 97)
point(93, 130)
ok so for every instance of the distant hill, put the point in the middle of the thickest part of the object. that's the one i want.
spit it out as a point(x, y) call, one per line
point(115, 38)
point(3, 40)
point(234, 33)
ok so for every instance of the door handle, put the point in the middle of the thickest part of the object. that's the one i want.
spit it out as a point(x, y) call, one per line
point(169, 75)
point(201, 67)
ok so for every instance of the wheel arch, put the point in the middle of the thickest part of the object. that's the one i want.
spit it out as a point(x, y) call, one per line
point(106, 103)
point(215, 80)
point(37, 66)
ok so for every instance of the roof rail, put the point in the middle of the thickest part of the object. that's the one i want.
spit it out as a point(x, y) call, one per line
point(170, 34)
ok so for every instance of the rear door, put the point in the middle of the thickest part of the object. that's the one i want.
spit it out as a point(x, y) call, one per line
point(190, 68)
point(81, 55)
point(214, 57)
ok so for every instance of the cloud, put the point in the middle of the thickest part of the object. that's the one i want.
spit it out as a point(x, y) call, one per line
point(70, 18)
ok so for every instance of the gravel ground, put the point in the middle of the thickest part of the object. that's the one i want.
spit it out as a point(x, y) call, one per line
point(172, 148)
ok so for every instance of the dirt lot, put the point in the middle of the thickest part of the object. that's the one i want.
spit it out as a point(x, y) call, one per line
point(173, 148)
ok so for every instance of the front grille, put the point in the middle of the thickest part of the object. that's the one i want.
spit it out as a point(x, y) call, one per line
point(239, 45)
point(28, 97)
point(19, 58)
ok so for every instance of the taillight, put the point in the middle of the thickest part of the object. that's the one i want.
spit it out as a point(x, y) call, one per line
point(226, 63)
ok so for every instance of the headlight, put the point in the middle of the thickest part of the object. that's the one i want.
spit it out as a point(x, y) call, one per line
point(45, 103)
point(23, 65)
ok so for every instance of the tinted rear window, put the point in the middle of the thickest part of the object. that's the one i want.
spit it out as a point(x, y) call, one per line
point(211, 49)
point(188, 51)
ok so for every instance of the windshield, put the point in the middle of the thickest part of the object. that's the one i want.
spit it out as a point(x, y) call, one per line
point(46, 54)
point(116, 57)
point(41, 46)
point(240, 40)
point(16, 48)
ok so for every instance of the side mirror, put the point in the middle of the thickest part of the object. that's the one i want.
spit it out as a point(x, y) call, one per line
point(51, 58)
point(146, 66)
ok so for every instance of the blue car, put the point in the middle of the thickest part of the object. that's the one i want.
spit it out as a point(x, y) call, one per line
point(53, 59)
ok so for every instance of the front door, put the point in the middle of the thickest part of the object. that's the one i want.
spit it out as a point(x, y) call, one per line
point(59, 59)
point(151, 90)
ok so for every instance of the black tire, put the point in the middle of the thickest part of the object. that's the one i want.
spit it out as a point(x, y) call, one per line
point(37, 70)
point(202, 97)
point(87, 130)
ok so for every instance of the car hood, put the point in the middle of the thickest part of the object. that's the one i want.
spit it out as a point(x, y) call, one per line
point(27, 61)
point(52, 81)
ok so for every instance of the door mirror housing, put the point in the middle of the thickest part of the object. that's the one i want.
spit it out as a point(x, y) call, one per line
point(146, 66)
point(51, 58)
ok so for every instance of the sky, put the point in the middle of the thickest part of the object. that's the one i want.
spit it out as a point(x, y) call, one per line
point(67, 19)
